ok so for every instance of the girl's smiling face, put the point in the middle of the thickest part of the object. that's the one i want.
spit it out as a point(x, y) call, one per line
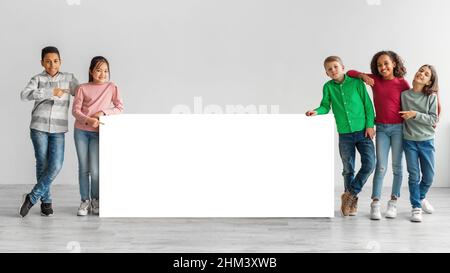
point(423, 76)
point(100, 73)
point(386, 67)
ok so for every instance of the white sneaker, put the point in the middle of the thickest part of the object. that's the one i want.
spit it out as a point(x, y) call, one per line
point(375, 210)
point(416, 215)
point(427, 207)
point(83, 210)
point(391, 211)
point(95, 206)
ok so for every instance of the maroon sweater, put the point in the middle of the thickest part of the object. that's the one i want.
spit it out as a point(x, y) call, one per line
point(386, 97)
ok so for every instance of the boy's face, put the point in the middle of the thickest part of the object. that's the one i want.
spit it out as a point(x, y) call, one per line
point(334, 70)
point(51, 63)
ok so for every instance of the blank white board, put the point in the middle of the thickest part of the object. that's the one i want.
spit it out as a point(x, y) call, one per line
point(173, 165)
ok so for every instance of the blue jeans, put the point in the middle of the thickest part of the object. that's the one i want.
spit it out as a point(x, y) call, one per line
point(49, 154)
point(389, 137)
point(347, 145)
point(419, 157)
point(87, 145)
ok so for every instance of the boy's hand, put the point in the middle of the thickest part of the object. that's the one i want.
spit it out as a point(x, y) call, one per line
point(408, 114)
point(368, 80)
point(311, 113)
point(370, 133)
point(93, 122)
point(58, 92)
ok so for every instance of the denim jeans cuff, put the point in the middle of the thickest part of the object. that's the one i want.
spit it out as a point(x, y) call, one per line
point(33, 199)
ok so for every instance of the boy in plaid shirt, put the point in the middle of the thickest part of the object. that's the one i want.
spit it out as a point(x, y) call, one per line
point(50, 91)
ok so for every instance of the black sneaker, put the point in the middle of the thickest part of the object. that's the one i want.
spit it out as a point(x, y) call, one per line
point(26, 205)
point(46, 209)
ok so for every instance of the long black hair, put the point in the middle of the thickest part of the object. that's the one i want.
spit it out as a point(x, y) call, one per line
point(95, 62)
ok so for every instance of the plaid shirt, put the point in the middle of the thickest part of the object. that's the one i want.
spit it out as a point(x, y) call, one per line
point(50, 113)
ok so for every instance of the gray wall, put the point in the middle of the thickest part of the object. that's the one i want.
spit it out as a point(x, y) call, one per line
point(165, 53)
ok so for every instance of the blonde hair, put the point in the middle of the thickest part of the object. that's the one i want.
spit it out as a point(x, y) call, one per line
point(330, 59)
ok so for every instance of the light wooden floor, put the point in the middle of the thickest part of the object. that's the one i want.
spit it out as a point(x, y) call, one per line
point(65, 232)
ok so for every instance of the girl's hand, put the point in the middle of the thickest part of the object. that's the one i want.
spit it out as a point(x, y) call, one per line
point(368, 80)
point(311, 113)
point(98, 114)
point(93, 122)
point(408, 114)
point(370, 133)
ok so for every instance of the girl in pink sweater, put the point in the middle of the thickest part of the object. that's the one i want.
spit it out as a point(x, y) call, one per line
point(387, 85)
point(96, 98)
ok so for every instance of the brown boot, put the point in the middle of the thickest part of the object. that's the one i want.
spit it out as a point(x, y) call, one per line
point(354, 207)
point(346, 199)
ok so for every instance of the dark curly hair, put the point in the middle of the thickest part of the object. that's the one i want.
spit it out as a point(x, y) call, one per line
point(399, 69)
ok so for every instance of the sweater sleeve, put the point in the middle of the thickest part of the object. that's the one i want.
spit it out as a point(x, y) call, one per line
point(325, 104)
point(73, 85)
point(431, 117)
point(356, 73)
point(405, 85)
point(33, 92)
point(77, 104)
point(117, 102)
point(368, 107)
point(353, 73)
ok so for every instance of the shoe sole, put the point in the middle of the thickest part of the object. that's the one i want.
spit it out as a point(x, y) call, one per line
point(49, 215)
point(82, 214)
point(377, 218)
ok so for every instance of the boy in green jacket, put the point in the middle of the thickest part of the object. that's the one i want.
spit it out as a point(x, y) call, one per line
point(354, 115)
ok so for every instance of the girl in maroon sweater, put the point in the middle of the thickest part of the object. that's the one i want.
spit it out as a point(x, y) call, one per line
point(387, 84)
